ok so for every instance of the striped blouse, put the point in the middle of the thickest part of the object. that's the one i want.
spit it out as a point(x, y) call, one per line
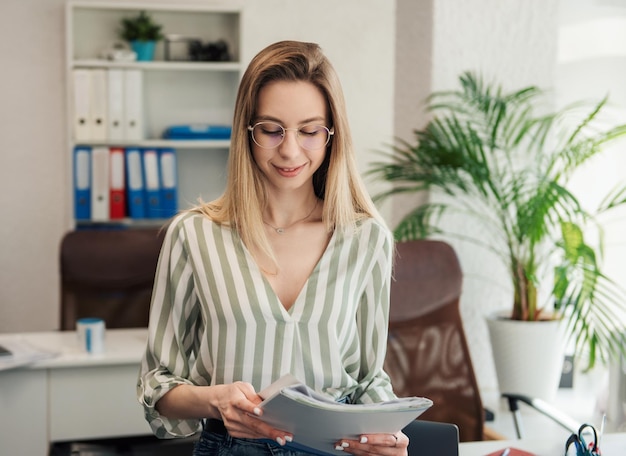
point(215, 318)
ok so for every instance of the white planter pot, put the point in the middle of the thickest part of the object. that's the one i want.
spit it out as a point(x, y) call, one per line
point(616, 403)
point(528, 356)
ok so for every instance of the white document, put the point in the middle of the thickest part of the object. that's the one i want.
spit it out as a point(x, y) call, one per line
point(318, 423)
point(133, 105)
point(21, 352)
point(100, 172)
point(99, 118)
point(115, 96)
point(81, 104)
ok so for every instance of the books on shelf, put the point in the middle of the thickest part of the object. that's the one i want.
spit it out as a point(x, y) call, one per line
point(114, 183)
point(318, 423)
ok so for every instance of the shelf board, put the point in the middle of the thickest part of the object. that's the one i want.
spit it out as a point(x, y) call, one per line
point(139, 5)
point(189, 144)
point(124, 222)
point(158, 65)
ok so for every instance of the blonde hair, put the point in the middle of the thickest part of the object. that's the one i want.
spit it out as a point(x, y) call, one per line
point(337, 181)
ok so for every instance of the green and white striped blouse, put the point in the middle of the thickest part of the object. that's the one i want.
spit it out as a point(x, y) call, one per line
point(215, 319)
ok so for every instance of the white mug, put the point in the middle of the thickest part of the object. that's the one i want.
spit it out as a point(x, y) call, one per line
point(90, 333)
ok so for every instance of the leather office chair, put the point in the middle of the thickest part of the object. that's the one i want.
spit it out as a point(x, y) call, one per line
point(108, 274)
point(427, 352)
point(431, 438)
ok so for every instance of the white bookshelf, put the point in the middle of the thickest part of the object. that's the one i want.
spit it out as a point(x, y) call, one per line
point(175, 92)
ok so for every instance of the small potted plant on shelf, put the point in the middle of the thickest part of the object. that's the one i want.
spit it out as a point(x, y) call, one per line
point(142, 33)
point(505, 168)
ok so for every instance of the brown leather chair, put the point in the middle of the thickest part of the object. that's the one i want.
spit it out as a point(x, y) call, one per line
point(427, 351)
point(108, 274)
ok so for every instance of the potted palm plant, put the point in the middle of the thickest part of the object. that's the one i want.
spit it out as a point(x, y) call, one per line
point(505, 167)
point(142, 33)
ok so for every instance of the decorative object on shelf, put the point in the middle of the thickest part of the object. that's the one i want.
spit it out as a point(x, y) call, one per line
point(197, 131)
point(142, 32)
point(209, 52)
point(177, 47)
point(119, 51)
point(505, 168)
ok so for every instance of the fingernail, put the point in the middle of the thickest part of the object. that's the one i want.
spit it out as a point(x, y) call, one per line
point(280, 441)
point(363, 439)
point(257, 411)
point(338, 448)
point(289, 438)
point(345, 444)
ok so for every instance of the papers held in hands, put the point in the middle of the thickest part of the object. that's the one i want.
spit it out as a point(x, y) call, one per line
point(318, 423)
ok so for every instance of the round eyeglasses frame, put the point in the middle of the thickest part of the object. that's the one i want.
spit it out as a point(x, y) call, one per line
point(329, 133)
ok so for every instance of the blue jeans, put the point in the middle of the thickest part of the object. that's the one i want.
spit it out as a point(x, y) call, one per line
point(213, 444)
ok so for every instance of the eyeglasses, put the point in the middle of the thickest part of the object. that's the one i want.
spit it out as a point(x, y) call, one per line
point(269, 135)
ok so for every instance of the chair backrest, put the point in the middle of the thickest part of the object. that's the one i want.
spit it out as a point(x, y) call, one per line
point(108, 274)
point(427, 352)
point(428, 438)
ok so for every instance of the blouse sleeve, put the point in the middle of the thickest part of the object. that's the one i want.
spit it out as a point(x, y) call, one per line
point(373, 320)
point(172, 328)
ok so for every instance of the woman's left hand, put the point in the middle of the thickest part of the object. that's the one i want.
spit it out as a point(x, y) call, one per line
point(376, 444)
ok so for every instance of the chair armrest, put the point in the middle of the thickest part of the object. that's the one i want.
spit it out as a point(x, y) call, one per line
point(562, 419)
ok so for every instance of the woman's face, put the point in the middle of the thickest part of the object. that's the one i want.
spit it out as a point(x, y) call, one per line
point(301, 106)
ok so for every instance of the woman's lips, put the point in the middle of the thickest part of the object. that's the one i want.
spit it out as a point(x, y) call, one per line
point(289, 172)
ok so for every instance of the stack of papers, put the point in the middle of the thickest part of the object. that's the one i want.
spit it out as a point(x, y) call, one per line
point(21, 353)
point(318, 423)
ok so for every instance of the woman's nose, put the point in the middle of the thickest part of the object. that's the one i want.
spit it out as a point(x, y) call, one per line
point(290, 145)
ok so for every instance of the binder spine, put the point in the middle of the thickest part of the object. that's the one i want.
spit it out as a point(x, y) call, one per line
point(117, 180)
point(115, 97)
point(135, 184)
point(169, 182)
point(100, 211)
point(82, 183)
point(152, 183)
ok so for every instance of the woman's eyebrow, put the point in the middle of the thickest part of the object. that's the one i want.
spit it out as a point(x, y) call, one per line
point(279, 121)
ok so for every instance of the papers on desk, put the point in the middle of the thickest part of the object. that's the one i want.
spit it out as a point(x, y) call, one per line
point(21, 353)
point(318, 423)
point(510, 451)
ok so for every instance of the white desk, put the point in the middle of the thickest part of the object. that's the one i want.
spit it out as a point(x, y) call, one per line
point(612, 445)
point(72, 396)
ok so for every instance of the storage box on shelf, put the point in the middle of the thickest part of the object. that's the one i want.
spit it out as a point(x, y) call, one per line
point(115, 102)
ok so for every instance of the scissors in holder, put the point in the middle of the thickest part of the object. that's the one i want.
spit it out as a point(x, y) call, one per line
point(582, 446)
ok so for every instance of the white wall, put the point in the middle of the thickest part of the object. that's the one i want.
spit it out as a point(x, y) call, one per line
point(513, 42)
point(591, 64)
point(357, 35)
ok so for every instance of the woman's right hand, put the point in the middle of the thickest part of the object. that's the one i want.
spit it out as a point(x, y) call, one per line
point(236, 404)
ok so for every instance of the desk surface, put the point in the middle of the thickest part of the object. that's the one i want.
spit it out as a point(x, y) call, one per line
point(611, 445)
point(122, 346)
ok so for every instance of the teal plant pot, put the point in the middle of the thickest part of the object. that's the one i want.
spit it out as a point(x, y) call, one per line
point(144, 50)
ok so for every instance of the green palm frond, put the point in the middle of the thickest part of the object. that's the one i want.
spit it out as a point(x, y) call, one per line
point(504, 161)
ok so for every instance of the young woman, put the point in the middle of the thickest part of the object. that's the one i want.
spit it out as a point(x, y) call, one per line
point(287, 272)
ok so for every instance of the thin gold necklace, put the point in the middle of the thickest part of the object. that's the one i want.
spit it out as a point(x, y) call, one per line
point(282, 229)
